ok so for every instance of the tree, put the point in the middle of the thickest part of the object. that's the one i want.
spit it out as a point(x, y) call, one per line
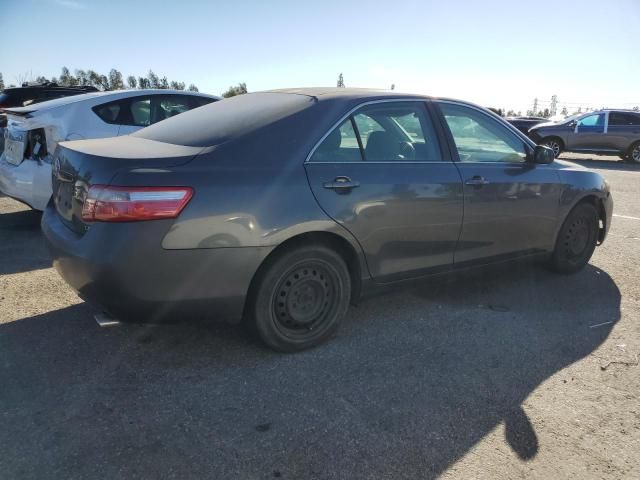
point(341, 81)
point(68, 80)
point(82, 77)
point(41, 79)
point(177, 85)
point(193, 88)
point(239, 89)
point(115, 80)
point(132, 82)
point(546, 113)
point(143, 83)
point(164, 83)
point(154, 81)
point(1, 82)
point(564, 112)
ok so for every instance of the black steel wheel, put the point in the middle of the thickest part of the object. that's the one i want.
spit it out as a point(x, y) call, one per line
point(577, 239)
point(300, 298)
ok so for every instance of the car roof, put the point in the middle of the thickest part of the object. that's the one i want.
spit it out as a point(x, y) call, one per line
point(329, 93)
point(110, 95)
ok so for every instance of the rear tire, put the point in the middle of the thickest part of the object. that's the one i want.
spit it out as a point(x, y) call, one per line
point(554, 144)
point(300, 298)
point(633, 155)
point(577, 239)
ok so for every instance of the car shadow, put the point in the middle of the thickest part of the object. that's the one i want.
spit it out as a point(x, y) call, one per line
point(22, 247)
point(414, 380)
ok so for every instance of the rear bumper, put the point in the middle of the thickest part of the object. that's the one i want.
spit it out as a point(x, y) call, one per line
point(29, 182)
point(122, 269)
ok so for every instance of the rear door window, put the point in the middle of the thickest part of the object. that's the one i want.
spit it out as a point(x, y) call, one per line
point(624, 119)
point(382, 132)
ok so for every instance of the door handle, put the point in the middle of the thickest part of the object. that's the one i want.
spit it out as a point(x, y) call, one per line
point(341, 184)
point(477, 181)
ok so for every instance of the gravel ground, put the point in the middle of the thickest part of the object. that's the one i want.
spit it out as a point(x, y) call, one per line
point(496, 374)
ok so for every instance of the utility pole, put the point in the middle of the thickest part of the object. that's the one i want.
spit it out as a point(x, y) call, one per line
point(535, 106)
point(554, 104)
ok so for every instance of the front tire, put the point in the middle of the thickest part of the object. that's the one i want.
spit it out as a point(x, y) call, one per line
point(300, 298)
point(577, 239)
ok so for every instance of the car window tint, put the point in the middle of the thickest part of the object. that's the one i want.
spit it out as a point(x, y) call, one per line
point(592, 120)
point(201, 101)
point(366, 126)
point(397, 131)
point(140, 112)
point(341, 145)
point(108, 112)
point(623, 118)
point(167, 106)
point(480, 138)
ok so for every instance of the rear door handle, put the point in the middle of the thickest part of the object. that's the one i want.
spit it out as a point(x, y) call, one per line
point(341, 184)
point(477, 180)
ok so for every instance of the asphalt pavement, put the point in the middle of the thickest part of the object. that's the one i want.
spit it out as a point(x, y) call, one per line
point(500, 373)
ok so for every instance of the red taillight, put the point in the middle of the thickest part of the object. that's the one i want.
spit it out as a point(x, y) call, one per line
point(133, 204)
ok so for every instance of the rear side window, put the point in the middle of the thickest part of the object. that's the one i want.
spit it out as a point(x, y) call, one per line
point(623, 118)
point(382, 132)
point(108, 112)
point(140, 112)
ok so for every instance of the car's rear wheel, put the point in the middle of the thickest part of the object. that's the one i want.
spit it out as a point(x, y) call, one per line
point(300, 298)
point(634, 153)
point(554, 144)
point(577, 239)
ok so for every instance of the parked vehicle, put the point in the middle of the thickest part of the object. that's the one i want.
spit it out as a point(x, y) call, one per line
point(525, 123)
point(33, 132)
point(603, 132)
point(282, 207)
point(28, 94)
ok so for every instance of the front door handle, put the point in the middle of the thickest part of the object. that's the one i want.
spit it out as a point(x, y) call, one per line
point(477, 181)
point(341, 184)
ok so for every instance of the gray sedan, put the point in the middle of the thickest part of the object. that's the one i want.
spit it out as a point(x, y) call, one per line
point(280, 208)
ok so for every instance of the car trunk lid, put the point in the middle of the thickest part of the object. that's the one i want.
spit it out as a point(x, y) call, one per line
point(80, 164)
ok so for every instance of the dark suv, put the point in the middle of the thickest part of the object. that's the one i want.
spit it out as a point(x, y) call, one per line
point(603, 132)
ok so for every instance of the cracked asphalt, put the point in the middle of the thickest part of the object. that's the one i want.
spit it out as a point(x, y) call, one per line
point(500, 373)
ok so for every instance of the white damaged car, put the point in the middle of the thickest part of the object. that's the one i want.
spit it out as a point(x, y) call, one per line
point(33, 132)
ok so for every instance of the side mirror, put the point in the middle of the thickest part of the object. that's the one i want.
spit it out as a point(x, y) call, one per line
point(572, 124)
point(543, 155)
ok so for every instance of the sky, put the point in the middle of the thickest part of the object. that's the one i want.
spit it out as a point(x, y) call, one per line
point(496, 53)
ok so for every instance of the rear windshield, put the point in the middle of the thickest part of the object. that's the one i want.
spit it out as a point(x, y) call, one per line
point(221, 121)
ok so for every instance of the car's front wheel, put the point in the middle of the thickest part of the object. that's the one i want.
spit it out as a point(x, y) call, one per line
point(554, 144)
point(634, 153)
point(300, 298)
point(577, 239)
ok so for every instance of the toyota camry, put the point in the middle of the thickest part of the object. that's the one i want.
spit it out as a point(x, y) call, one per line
point(281, 208)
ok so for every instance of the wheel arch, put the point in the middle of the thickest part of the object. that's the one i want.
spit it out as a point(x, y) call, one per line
point(598, 203)
point(332, 240)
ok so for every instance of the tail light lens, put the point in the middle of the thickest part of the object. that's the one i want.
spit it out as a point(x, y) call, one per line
point(132, 204)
